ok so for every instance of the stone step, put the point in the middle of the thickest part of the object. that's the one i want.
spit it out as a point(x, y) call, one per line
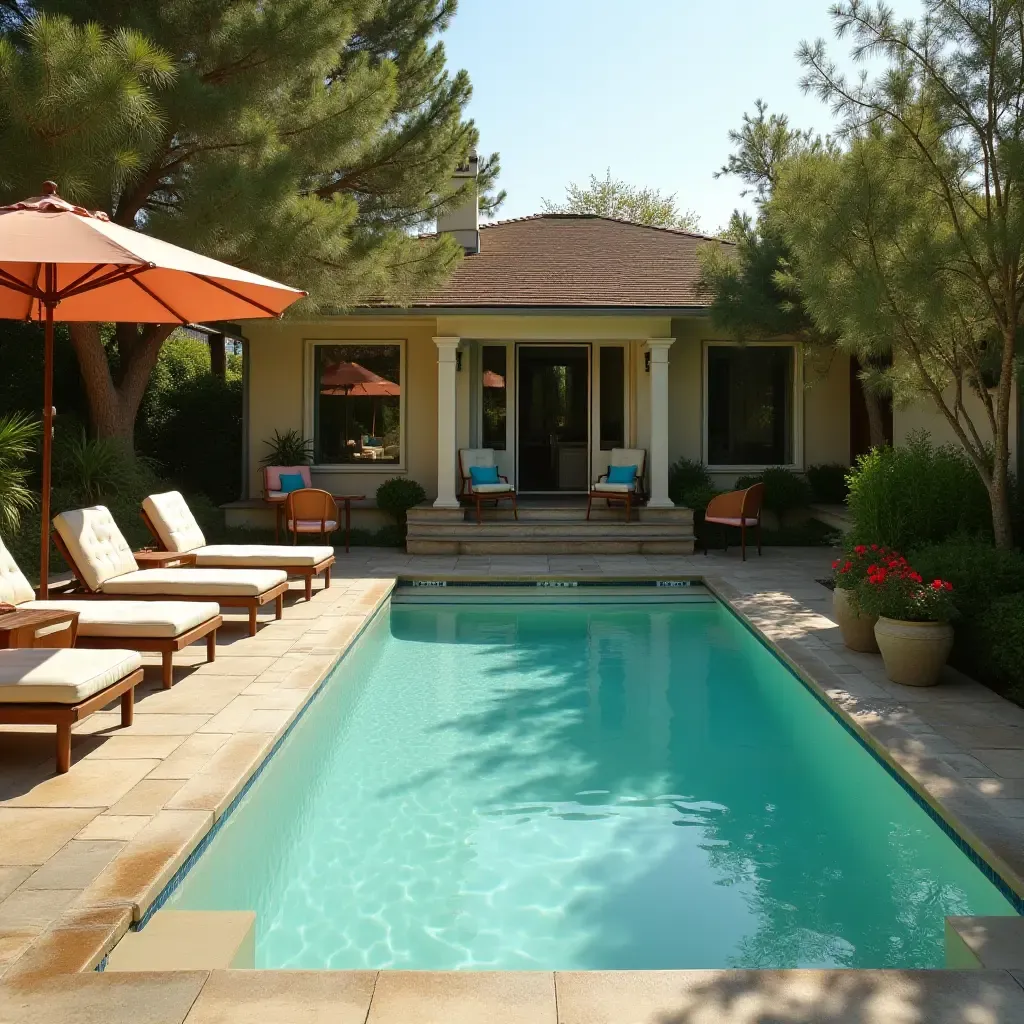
point(617, 545)
point(551, 529)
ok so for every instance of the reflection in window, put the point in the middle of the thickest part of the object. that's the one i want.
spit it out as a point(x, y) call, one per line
point(613, 398)
point(750, 405)
point(358, 404)
point(495, 403)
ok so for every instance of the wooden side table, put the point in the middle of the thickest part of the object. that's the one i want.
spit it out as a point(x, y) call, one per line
point(43, 628)
point(164, 559)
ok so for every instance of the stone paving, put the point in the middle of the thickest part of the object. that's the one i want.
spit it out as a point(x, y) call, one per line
point(84, 854)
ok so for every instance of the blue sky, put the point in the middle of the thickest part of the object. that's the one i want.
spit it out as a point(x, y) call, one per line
point(566, 88)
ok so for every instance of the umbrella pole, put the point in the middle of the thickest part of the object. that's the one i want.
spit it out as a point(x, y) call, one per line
point(44, 543)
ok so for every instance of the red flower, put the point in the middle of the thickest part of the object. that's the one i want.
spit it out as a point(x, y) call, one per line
point(948, 585)
point(936, 584)
point(874, 547)
point(835, 564)
point(860, 549)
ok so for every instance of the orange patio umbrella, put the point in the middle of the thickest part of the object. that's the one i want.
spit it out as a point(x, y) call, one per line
point(357, 381)
point(62, 262)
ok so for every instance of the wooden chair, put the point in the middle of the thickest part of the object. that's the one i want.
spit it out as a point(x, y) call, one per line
point(621, 494)
point(741, 509)
point(483, 458)
point(310, 510)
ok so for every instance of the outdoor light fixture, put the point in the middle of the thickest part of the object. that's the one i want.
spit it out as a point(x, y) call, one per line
point(458, 361)
point(647, 362)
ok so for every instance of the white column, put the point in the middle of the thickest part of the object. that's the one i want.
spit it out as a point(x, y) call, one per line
point(657, 350)
point(447, 459)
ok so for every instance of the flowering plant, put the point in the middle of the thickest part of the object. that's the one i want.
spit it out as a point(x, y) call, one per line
point(851, 568)
point(891, 588)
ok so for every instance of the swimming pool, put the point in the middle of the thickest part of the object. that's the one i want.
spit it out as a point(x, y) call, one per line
point(579, 786)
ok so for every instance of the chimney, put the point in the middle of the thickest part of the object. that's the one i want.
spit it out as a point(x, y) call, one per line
point(463, 222)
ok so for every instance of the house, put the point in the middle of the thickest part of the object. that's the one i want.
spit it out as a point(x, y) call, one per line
point(557, 339)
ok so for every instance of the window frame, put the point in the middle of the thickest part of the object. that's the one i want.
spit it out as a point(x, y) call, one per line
point(310, 395)
point(797, 425)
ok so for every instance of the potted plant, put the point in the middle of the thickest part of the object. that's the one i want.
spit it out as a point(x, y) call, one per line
point(913, 630)
point(848, 572)
point(288, 449)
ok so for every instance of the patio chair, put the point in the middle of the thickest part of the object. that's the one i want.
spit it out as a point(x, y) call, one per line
point(162, 626)
point(103, 564)
point(741, 509)
point(618, 486)
point(310, 511)
point(43, 686)
point(488, 486)
point(174, 528)
point(273, 494)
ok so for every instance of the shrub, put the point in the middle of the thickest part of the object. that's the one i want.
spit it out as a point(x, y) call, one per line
point(89, 471)
point(17, 442)
point(784, 490)
point(397, 496)
point(980, 572)
point(687, 478)
point(917, 494)
point(828, 482)
point(1000, 635)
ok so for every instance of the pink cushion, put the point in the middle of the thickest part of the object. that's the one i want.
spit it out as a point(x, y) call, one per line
point(310, 525)
point(729, 522)
point(274, 476)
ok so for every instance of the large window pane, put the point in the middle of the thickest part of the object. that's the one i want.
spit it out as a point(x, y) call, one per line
point(495, 401)
point(750, 405)
point(613, 398)
point(358, 404)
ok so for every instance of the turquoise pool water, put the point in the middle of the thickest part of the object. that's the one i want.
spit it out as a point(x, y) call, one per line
point(571, 786)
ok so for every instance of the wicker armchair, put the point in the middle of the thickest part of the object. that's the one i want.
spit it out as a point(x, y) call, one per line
point(741, 509)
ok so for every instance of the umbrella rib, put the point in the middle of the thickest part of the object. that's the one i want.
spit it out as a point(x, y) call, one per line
point(20, 286)
point(35, 286)
point(237, 295)
point(111, 277)
point(71, 288)
point(156, 298)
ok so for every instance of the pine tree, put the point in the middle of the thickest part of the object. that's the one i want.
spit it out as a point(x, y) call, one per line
point(307, 140)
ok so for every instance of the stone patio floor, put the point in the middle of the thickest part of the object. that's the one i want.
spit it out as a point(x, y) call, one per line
point(82, 855)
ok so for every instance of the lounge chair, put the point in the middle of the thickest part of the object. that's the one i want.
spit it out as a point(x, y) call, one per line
point(103, 564)
point(625, 491)
point(496, 489)
point(41, 686)
point(174, 528)
point(164, 626)
point(741, 509)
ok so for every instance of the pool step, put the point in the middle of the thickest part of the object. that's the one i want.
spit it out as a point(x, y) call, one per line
point(550, 530)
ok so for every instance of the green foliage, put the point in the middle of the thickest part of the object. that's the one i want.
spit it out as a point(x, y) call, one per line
point(898, 591)
point(97, 471)
point(828, 482)
point(78, 104)
point(613, 197)
point(397, 496)
point(784, 490)
point(288, 449)
point(18, 436)
point(1000, 636)
point(979, 572)
point(916, 494)
point(685, 478)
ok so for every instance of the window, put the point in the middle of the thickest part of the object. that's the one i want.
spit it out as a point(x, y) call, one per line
point(613, 397)
point(358, 404)
point(750, 404)
point(495, 401)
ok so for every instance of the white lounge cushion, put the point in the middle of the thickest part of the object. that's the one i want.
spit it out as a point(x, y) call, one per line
point(96, 544)
point(62, 676)
point(608, 488)
point(173, 521)
point(196, 582)
point(148, 619)
point(270, 555)
point(498, 488)
point(14, 588)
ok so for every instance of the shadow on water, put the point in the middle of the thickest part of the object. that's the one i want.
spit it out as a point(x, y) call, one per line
point(771, 833)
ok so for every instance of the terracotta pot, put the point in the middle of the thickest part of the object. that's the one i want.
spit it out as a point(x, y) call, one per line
point(913, 652)
point(858, 629)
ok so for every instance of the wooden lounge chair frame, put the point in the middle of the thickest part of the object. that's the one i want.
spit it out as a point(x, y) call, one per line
point(63, 716)
point(741, 505)
point(623, 497)
point(307, 572)
point(466, 493)
point(253, 603)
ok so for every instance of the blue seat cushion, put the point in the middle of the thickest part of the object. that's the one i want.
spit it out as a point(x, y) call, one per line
point(483, 475)
point(621, 474)
point(292, 482)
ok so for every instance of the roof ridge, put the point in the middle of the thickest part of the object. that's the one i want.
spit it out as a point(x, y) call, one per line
point(600, 216)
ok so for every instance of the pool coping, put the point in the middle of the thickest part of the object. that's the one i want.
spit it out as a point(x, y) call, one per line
point(79, 942)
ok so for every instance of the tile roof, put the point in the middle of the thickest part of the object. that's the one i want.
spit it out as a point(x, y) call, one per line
point(576, 260)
